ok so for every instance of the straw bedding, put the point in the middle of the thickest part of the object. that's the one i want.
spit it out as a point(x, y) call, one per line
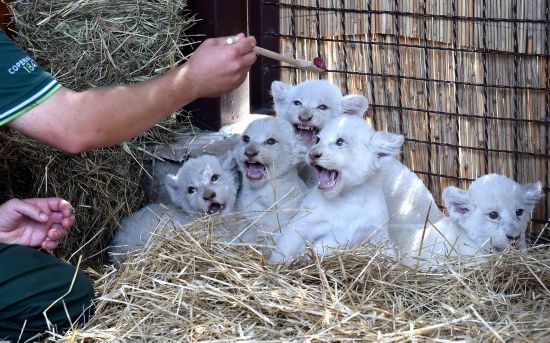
point(186, 286)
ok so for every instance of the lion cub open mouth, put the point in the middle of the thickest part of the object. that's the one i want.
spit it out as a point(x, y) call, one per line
point(215, 208)
point(255, 170)
point(327, 178)
point(306, 132)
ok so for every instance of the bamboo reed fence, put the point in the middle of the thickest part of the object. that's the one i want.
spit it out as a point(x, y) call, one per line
point(467, 82)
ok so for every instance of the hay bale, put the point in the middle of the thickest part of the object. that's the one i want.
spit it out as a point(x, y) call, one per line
point(87, 44)
point(186, 286)
point(102, 186)
point(90, 43)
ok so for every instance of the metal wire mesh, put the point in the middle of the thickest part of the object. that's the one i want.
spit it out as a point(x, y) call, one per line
point(466, 82)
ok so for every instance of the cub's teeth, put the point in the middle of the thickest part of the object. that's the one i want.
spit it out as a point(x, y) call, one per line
point(309, 128)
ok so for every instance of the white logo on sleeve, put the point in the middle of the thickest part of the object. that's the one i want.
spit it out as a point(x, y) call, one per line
point(26, 63)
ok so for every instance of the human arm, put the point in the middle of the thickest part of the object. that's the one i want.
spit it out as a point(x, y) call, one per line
point(81, 121)
point(39, 222)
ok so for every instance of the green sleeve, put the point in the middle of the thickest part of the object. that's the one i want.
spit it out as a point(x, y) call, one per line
point(23, 83)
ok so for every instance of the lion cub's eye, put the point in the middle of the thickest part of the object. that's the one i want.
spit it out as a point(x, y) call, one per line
point(340, 141)
point(317, 139)
point(246, 139)
point(519, 212)
point(270, 141)
point(191, 190)
point(214, 177)
point(322, 107)
point(297, 103)
point(493, 215)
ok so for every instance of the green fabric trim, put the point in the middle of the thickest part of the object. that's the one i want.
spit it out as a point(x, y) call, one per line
point(33, 105)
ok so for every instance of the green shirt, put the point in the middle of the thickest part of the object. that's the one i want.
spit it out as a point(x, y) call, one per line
point(23, 84)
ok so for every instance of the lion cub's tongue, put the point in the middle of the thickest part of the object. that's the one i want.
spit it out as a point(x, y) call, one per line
point(255, 171)
point(306, 135)
point(327, 178)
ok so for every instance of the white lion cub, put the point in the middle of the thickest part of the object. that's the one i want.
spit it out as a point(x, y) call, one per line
point(490, 216)
point(407, 196)
point(308, 106)
point(202, 186)
point(268, 156)
point(348, 206)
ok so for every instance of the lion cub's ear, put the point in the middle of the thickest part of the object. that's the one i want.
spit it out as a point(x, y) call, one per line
point(533, 192)
point(385, 144)
point(355, 105)
point(457, 201)
point(279, 92)
point(229, 163)
point(171, 184)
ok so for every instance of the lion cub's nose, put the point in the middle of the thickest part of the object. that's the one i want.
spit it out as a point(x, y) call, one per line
point(315, 155)
point(305, 117)
point(250, 153)
point(208, 194)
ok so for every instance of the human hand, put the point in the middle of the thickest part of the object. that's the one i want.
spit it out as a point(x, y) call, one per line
point(40, 222)
point(217, 67)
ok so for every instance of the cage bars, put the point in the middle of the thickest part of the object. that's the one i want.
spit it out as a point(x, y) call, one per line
point(466, 82)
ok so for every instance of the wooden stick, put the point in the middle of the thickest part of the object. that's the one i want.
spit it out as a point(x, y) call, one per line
point(300, 64)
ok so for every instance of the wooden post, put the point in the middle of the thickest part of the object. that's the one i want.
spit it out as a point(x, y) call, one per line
point(5, 19)
point(220, 18)
point(264, 25)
